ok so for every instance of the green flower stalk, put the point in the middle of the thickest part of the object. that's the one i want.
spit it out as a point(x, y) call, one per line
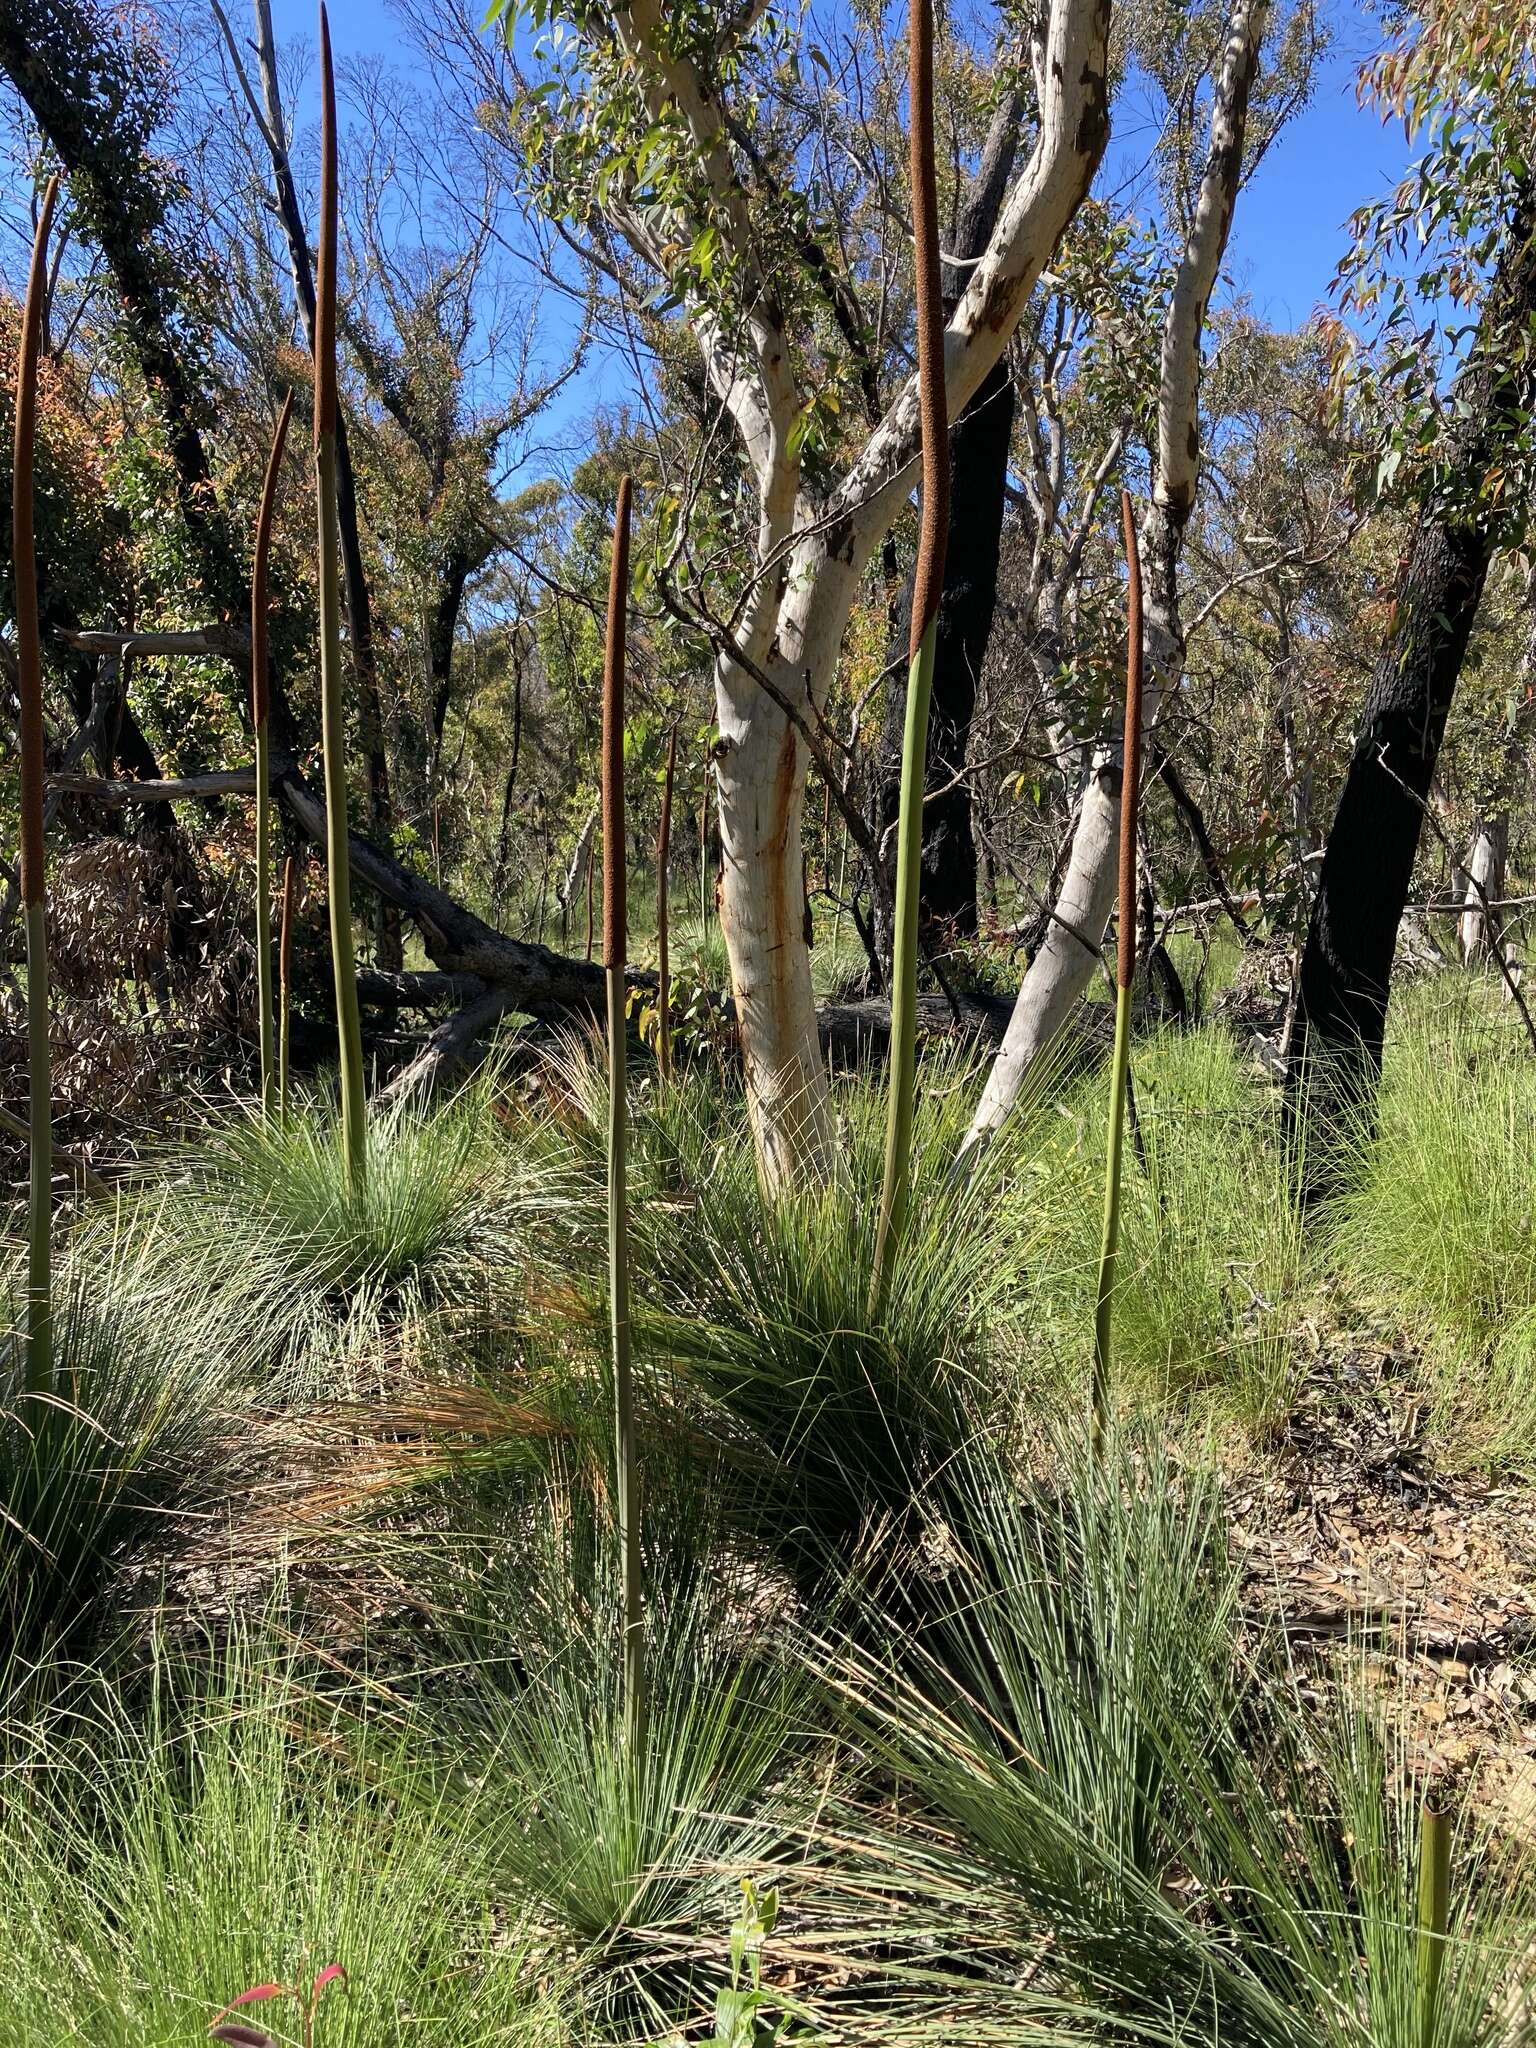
point(34, 876)
point(349, 1030)
point(927, 588)
point(663, 964)
point(1434, 1913)
point(1125, 974)
point(260, 724)
point(285, 985)
point(615, 948)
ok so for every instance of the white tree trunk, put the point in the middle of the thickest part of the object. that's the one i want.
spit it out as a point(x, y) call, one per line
point(812, 558)
point(1065, 959)
point(1481, 927)
point(1059, 974)
point(576, 874)
point(760, 780)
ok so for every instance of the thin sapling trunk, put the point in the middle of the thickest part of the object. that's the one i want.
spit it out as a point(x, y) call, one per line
point(349, 1031)
point(615, 948)
point(34, 880)
point(1125, 974)
point(663, 964)
point(927, 588)
point(260, 726)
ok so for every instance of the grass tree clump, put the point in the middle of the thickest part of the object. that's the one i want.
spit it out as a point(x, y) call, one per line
point(615, 961)
point(260, 727)
point(927, 589)
point(1086, 1617)
point(321, 1266)
point(354, 1112)
point(38, 1375)
point(834, 1411)
point(1186, 1837)
point(1125, 975)
point(630, 1858)
point(109, 1472)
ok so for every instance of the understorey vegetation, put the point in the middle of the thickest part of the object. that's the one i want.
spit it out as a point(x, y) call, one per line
point(767, 1097)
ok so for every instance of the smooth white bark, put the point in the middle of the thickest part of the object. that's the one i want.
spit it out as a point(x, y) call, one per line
point(812, 554)
point(1480, 927)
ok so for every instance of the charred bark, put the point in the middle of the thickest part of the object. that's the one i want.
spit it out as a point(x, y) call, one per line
point(979, 443)
point(1334, 1059)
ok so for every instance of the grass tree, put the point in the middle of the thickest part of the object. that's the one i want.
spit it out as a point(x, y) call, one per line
point(34, 889)
point(663, 962)
point(1125, 974)
point(285, 984)
point(615, 947)
point(332, 709)
point(927, 588)
point(260, 727)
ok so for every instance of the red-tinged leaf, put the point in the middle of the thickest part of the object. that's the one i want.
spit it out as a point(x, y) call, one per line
point(239, 2036)
point(256, 1991)
point(327, 1976)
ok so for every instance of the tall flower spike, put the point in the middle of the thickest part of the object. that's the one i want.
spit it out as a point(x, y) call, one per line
point(615, 949)
point(927, 588)
point(34, 877)
point(349, 1029)
point(1125, 974)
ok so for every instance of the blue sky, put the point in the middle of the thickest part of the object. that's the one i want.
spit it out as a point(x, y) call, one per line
point(1289, 231)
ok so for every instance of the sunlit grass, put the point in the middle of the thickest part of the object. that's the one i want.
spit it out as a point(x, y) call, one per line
point(108, 1473)
point(323, 1269)
point(160, 1865)
point(1214, 1267)
point(1438, 1234)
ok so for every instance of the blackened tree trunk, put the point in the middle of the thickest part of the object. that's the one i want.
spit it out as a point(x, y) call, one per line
point(979, 456)
point(979, 442)
point(1334, 1061)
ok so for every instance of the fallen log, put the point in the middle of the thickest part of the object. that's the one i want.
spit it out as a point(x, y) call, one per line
point(422, 990)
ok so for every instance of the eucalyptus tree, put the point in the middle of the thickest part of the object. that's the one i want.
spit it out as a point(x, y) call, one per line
point(1486, 865)
point(1457, 399)
point(1069, 953)
point(635, 124)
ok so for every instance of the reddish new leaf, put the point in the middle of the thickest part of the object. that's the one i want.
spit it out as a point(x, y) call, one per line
point(327, 1976)
point(258, 1991)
